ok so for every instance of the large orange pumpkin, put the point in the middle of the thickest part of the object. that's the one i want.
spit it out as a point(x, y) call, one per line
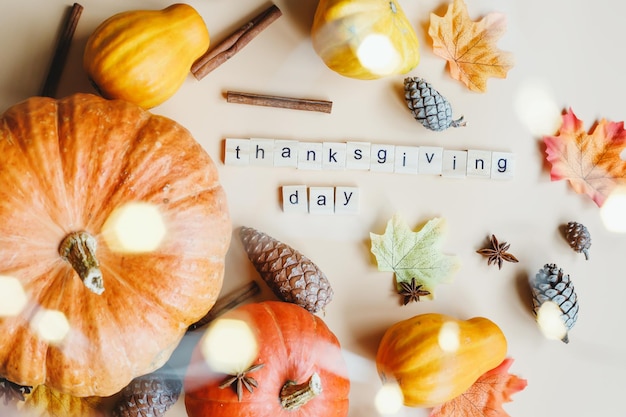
point(298, 369)
point(73, 172)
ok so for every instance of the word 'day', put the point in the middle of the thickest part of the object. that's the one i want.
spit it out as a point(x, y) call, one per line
point(320, 200)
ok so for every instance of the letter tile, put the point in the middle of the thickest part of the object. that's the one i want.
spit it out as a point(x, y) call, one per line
point(454, 164)
point(261, 151)
point(310, 155)
point(478, 163)
point(358, 155)
point(346, 200)
point(406, 159)
point(321, 200)
point(286, 153)
point(502, 165)
point(430, 160)
point(382, 158)
point(295, 199)
point(237, 152)
point(333, 155)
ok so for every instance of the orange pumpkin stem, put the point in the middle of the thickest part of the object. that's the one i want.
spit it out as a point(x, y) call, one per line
point(79, 249)
point(294, 396)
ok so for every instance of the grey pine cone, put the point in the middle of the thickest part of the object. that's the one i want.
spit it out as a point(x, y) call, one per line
point(150, 395)
point(578, 238)
point(293, 277)
point(551, 284)
point(429, 107)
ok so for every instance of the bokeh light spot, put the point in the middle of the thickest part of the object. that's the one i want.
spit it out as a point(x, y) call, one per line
point(134, 227)
point(229, 346)
point(389, 399)
point(377, 54)
point(550, 322)
point(613, 211)
point(51, 325)
point(13, 299)
point(449, 337)
point(537, 109)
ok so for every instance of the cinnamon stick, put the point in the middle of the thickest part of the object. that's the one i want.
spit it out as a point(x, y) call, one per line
point(226, 49)
point(227, 302)
point(60, 55)
point(278, 101)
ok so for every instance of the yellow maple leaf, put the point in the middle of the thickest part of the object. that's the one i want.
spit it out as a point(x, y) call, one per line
point(470, 47)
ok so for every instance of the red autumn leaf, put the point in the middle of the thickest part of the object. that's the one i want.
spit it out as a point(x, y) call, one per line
point(486, 396)
point(590, 162)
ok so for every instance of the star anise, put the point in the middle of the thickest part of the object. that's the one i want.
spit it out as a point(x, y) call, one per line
point(241, 380)
point(412, 291)
point(497, 252)
point(10, 391)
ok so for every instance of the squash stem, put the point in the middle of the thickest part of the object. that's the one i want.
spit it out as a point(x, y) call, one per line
point(79, 249)
point(294, 396)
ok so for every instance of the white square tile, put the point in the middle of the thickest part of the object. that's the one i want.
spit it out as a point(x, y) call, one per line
point(333, 155)
point(261, 151)
point(358, 155)
point(295, 199)
point(286, 153)
point(346, 200)
point(321, 200)
point(382, 157)
point(237, 152)
point(454, 164)
point(430, 160)
point(310, 155)
point(502, 165)
point(406, 159)
point(478, 163)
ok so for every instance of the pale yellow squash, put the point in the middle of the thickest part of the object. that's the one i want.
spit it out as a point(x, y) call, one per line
point(364, 39)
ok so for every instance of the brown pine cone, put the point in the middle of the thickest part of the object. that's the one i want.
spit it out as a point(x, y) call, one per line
point(150, 395)
point(293, 277)
point(578, 237)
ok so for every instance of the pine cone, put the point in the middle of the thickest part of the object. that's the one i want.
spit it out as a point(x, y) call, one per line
point(551, 284)
point(429, 107)
point(578, 238)
point(293, 277)
point(150, 395)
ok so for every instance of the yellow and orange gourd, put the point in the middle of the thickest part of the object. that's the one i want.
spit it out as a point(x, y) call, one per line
point(434, 358)
point(144, 56)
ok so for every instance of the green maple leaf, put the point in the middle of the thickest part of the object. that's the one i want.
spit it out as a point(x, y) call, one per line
point(412, 254)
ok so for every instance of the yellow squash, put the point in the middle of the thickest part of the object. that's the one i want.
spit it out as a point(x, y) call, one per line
point(435, 358)
point(364, 39)
point(144, 56)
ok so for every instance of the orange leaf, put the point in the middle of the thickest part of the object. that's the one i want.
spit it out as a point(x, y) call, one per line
point(590, 162)
point(469, 47)
point(486, 396)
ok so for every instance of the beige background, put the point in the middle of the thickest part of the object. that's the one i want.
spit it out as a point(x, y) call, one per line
point(568, 54)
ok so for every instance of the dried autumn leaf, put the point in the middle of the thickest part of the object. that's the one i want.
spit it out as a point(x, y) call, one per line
point(590, 162)
point(414, 254)
point(470, 47)
point(47, 402)
point(486, 396)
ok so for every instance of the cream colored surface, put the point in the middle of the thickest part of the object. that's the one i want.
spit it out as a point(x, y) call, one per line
point(568, 54)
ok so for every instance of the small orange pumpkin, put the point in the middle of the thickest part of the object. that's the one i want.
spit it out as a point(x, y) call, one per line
point(435, 358)
point(298, 369)
point(73, 172)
